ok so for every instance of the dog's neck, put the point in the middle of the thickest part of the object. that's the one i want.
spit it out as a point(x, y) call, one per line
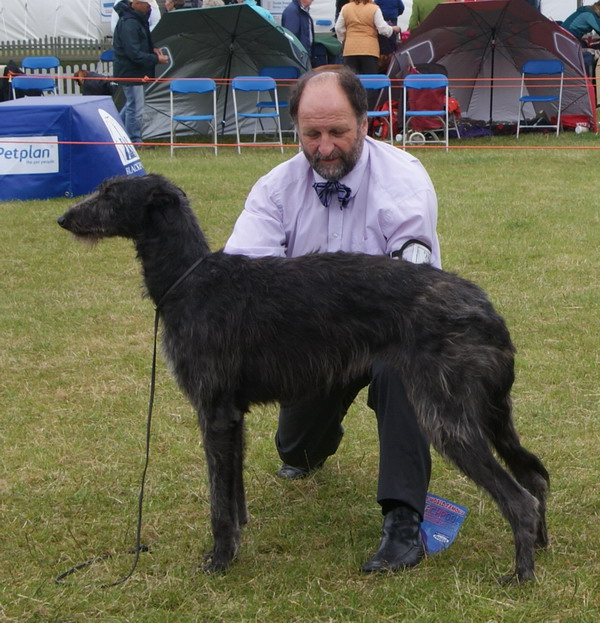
point(168, 249)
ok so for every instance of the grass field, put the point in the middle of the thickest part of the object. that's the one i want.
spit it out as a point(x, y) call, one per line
point(75, 354)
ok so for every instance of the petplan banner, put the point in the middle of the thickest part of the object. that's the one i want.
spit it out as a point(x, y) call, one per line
point(28, 155)
point(61, 146)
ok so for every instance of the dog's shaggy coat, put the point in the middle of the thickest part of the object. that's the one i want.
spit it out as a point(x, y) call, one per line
point(240, 331)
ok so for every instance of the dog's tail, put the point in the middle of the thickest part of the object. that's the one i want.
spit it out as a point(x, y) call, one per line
point(525, 466)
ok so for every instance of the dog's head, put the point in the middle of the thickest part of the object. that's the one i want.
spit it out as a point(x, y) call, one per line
point(122, 206)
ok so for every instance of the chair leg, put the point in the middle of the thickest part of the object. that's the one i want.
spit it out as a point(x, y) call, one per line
point(237, 133)
point(455, 122)
point(278, 124)
point(214, 129)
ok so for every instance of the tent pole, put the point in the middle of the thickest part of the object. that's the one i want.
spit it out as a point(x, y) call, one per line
point(493, 45)
point(227, 77)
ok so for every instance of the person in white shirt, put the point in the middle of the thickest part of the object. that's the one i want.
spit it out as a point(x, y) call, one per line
point(347, 192)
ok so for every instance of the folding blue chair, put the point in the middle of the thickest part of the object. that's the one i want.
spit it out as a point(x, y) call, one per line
point(40, 62)
point(107, 56)
point(380, 82)
point(436, 107)
point(283, 73)
point(539, 76)
point(256, 85)
point(105, 62)
point(40, 84)
point(193, 90)
point(39, 66)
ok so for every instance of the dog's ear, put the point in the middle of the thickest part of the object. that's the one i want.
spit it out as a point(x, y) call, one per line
point(163, 195)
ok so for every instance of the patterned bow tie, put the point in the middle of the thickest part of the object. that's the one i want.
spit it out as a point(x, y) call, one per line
point(327, 190)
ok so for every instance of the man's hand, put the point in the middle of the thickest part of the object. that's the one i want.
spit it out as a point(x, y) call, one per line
point(162, 58)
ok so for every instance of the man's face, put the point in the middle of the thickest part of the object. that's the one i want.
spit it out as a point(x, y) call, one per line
point(330, 135)
point(141, 7)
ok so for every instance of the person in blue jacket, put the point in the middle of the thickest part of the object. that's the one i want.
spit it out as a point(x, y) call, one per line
point(296, 18)
point(390, 9)
point(134, 59)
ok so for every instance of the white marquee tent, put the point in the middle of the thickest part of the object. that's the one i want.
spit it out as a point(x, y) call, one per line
point(90, 19)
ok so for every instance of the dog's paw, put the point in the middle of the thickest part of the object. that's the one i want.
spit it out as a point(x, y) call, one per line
point(215, 564)
point(516, 579)
point(542, 541)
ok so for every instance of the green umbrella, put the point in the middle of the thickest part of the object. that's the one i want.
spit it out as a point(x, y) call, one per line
point(219, 43)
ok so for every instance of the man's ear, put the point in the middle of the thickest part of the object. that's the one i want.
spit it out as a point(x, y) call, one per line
point(364, 126)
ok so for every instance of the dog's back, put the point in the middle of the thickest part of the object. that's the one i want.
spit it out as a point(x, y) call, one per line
point(348, 310)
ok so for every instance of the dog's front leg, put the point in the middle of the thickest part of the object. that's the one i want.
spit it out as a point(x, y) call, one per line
point(223, 432)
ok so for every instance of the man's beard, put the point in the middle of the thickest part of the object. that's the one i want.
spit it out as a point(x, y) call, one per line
point(347, 161)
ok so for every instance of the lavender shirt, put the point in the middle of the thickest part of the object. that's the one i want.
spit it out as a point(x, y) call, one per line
point(392, 203)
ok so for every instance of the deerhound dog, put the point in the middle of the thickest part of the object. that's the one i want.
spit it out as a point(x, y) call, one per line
point(240, 331)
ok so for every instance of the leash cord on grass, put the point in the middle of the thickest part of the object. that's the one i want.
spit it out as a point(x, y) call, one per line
point(139, 548)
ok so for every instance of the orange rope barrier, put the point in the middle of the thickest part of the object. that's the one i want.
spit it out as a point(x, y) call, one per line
point(295, 146)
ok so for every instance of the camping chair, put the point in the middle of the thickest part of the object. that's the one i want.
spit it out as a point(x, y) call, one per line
point(425, 96)
point(34, 65)
point(259, 85)
point(282, 72)
point(106, 60)
point(194, 89)
point(40, 62)
point(380, 82)
point(550, 92)
point(32, 85)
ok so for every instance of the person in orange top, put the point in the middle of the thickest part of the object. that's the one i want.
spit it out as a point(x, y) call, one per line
point(357, 27)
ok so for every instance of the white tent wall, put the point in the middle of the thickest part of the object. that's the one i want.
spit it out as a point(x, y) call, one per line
point(35, 19)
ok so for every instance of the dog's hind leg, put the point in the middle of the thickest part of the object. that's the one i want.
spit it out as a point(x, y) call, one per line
point(525, 466)
point(223, 434)
point(475, 459)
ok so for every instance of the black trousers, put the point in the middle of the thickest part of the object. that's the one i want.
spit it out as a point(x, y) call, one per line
point(362, 64)
point(311, 430)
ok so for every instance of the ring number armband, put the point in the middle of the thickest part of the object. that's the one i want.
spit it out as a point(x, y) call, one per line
point(413, 251)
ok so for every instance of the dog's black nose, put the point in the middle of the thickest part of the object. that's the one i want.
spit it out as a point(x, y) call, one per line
point(61, 220)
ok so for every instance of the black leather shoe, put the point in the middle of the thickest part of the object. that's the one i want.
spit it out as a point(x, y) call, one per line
point(289, 472)
point(401, 544)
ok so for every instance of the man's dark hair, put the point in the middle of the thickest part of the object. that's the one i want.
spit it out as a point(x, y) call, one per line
point(349, 83)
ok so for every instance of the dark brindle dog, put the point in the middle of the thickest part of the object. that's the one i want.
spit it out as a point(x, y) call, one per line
point(240, 331)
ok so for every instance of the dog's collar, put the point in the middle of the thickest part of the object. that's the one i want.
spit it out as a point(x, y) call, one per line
point(177, 282)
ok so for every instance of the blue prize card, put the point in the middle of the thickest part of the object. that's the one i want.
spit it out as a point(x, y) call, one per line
point(441, 523)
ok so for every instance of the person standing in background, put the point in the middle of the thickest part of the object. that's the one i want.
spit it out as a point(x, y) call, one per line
point(154, 15)
point(420, 10)
point(390, 9)
point(134, 57)
point(357, 27)
point(296, 18)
